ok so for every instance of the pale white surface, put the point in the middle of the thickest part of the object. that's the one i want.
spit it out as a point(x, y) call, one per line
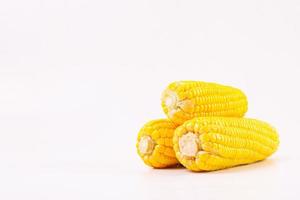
point(79, 78)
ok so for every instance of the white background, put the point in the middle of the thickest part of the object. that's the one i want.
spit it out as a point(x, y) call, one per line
point(78, 79)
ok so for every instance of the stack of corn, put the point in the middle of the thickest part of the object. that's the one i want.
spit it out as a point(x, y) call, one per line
point(205, 129)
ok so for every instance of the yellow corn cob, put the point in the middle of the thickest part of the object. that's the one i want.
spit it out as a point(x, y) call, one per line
point(155, 145)
point(184, 100)
point(212, 143)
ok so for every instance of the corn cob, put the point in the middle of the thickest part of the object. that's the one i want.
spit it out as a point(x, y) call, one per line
point(155, 145)
point(184, 100)
point(213, 143)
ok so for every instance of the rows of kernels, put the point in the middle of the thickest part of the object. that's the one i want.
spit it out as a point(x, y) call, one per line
point(161, 132)
point(227, 142)
point(207, 99)
point(236, 142)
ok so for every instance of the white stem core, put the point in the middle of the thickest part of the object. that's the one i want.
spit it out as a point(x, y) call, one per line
point(189, 145)
point(170, 99)
point(146, 145)
point(174, 104)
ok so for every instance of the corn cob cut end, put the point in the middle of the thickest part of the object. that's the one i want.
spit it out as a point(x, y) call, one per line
point(146, 145)
point(189, 151)
point(189, 145)
point(146, 150)
point(173, 105)
point(154, 143)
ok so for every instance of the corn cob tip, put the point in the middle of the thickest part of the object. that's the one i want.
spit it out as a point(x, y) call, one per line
point(146, 145)
point(189, 145)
